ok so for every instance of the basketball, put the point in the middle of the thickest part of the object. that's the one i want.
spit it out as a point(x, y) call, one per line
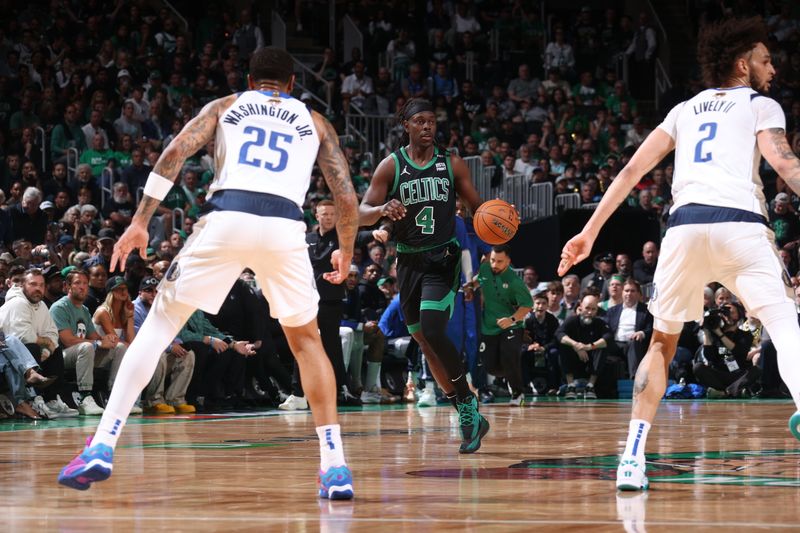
point(496, 222)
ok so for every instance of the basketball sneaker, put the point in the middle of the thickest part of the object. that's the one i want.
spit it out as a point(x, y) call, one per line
point(794, 425)
point(427, 398)
point(88, 407)
point(571, 393)
point(336, 483)
point(630, 475)
point(588, 393)
point(371, 396)
point(518, 400)
point(94, 463)
point(473, 426)
point(59, 409)
point(294, 403)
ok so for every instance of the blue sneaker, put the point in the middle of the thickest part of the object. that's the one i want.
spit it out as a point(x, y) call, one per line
point(336, 483)
point(794, 425)
point(94, 463)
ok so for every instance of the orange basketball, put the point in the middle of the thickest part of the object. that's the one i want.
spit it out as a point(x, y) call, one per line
point(495, 222)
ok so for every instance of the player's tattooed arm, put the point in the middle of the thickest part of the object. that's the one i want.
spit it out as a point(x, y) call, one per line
point(774, 146)
point(196, 134)
point(334, 166)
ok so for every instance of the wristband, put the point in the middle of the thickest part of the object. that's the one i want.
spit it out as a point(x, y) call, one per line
point(157, 186)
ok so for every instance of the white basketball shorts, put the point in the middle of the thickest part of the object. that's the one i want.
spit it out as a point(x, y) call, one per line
point(224, 243)
point(740, 255)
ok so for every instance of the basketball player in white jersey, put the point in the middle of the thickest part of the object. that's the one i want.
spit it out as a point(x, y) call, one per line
point(718, 225)
point(266, 144)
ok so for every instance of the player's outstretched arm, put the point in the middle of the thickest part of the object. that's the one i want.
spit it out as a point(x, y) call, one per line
point(374, 205)
point(463, 182)
point(196, 134)
point(657, 145)
point(775, 148)
point(334, 167)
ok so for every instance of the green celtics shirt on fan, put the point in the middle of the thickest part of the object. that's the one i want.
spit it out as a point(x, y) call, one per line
point(503, 294)
point(428, 194)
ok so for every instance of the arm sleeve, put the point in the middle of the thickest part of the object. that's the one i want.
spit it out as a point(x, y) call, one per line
point(189, 332)
point(671, 121)
point(768, 114)
point(209, 329)
point(21, 321)
point(139, 315)
point(255, 310)
point(606, 334)
point(563, 329)
point(521, 294)
point(60, 318)
point(50, 330)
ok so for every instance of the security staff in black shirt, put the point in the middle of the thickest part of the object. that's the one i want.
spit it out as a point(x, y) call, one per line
point(321, 245)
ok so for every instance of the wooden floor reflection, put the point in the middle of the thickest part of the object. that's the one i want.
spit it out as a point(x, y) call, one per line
point(722, 466)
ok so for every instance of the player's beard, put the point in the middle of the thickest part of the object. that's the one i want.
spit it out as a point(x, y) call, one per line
point(758, 85)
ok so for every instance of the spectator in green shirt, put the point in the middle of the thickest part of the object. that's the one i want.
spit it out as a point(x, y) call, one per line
point(124, 155)
point(97, 157)
point(506, 302)
point(67, 135)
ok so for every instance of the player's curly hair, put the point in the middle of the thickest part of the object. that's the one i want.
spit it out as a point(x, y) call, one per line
point(721, 44)
point(271, 63)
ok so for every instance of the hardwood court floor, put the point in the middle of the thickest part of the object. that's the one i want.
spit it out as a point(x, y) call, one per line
point(723, 465)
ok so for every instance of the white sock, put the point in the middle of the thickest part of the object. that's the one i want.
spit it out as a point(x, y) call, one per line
point(138, 366)
point(373, 374)
point(637, 437)
point(429, 386)
point(331, 452)
point(780, 322)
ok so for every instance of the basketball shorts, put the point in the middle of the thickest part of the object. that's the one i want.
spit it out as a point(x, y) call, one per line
point(224, 243)
point(740, 255)
point(428, 280)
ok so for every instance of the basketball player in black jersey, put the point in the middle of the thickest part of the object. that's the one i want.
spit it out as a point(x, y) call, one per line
point(415, 187)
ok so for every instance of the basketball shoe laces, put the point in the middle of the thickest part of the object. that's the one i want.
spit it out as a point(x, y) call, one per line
point(467, 414)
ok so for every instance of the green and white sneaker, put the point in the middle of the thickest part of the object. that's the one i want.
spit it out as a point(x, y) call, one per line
point(473, 426)
point(630, 475)
point(794, 425)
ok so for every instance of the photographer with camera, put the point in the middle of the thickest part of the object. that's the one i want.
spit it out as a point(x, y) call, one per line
point(728, 370)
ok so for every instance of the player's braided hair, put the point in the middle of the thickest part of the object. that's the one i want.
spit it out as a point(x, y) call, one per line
point(722, 43)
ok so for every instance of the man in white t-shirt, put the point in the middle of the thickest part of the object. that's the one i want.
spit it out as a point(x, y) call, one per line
point(718, 223)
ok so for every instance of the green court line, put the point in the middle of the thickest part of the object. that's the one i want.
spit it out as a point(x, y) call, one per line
point(90, 423)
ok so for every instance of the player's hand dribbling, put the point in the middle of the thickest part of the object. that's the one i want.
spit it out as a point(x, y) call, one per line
point(341, 267)
point(393, 209)
point(135, 236)
point(576, 250)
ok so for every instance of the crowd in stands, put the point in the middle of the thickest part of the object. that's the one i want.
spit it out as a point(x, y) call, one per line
point(91, 94)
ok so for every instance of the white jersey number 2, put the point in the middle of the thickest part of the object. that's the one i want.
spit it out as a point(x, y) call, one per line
point(699, 156)
point(274, 149)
